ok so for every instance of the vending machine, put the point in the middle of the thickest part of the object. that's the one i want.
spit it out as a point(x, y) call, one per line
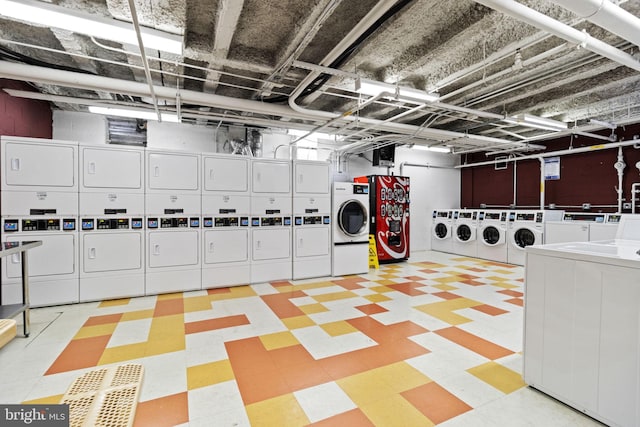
point(389, 215)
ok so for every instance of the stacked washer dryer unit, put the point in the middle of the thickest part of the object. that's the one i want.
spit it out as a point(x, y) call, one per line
point(40, 202)
point(350, 228)
point(606, 230)
point(442, 230)
point(173, 233)
point(574, 227)
point(226, 209)
point(270, 220)
point(112, 258)
point(492, 235)
point(465, 232)
point(526, 228)
point(312, 219)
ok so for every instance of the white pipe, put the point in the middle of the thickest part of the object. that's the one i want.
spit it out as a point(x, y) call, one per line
point(417, 165)
point(635, 189)
point(607, 15)
point(542, 182)
point(515, 183)
point(619, 166)
point(546, 23)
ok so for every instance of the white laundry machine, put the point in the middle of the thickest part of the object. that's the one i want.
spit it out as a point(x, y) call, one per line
point(465, 233)
point(492, 235)
point(350, 228)
point(526, 228)
point(606, 230)
point(312, 219)
point(271, 209)
point(39, 201)
point(173, 232)
point(226, 209)
point(442, 230)
point(574, 227)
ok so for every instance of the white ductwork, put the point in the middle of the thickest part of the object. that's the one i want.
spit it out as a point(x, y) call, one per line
point(607, 15)
point(566, 32)
point(620, 165)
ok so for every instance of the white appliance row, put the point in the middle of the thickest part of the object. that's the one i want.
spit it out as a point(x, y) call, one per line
point(121, 221)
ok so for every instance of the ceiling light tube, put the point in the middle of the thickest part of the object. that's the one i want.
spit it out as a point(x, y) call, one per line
point(374, 88)
point(401, 93)
point(536, 122)
point(407, 93)
point(133, 114)
point(435, 149)
point(49, 15)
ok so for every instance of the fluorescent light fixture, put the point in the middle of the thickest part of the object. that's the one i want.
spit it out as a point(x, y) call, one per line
point(435, 149)
point(536, 122)
point(49, 15)
point(401, 93)
point(134, 114)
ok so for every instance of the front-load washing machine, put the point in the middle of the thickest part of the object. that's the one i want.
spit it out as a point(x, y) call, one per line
point(465, 233)
point(574, 227)
point(350, 228)
point(442, 230)
point(605, 231)
point(526, 228)
point(492, 235)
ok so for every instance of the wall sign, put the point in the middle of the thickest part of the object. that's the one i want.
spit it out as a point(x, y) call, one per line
point(552, 168)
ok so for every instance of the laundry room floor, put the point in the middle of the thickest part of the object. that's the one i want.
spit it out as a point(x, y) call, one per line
point(433, 341)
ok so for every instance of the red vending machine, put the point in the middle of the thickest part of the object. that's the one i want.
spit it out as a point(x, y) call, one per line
point(389, 215)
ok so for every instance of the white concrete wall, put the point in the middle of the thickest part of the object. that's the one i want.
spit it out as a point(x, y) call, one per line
point(181, 136)
point(87, 128)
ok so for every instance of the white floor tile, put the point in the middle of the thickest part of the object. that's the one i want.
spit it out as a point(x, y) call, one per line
point(324, 401)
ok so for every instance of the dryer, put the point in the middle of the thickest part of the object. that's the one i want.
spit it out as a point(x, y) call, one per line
point(271, 210)
point(442, 230)
point(465, 232)
point(312, 219)
point(492, 235)
point(606, 230)
point(39, 201)
point(574, 227)
point(350, 235)
point(526, 228)
point(226, 209)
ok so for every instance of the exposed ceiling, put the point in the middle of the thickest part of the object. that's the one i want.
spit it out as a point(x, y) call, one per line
point(293, 64)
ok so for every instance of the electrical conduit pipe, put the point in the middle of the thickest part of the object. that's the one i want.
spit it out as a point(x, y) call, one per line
point(619, 166)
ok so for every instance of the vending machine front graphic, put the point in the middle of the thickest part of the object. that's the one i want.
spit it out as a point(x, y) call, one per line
point(389, 215)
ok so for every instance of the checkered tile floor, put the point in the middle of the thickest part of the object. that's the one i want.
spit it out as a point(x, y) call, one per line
point(434, 341)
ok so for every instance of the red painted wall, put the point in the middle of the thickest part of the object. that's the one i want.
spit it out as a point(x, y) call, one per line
point(21, 116)
point(584, 178)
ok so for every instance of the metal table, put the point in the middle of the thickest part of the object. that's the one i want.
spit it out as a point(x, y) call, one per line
point(12, 310)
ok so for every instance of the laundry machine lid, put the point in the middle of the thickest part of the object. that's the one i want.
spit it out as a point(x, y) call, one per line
point(524, 237)
point(491, 235)
point(441, 230)
point(464, 233)
point(352, 218)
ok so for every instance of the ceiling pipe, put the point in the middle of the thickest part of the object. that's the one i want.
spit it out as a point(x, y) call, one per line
point(566, 32)
point(607, 15)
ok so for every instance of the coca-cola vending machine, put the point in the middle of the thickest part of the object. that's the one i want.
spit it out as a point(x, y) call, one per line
point(389, 215)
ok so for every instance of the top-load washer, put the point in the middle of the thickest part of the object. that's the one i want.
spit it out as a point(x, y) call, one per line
point(465, 232)
point(574, 227)
point(492, 235)
point(350, 234)
point(606, 230)
point(226, 209)
point(526, 228)
point(442, 230)
point(312, 219)
point(40, 202)
point(270, 220)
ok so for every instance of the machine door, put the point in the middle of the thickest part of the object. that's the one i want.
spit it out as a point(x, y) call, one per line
point(272, 243)
point(312, 241)
point(465, 233)
point(492, 236)
point(111, 168)
point(173, 248)
point(56, 256)
point(39, 164)
point(441, 231)
point(111, 252)
point(222, 246)
point(226, 174)
point(172, 172)
point(312, 178)
point(352, 218)
point(524, 237)
point(270, 177)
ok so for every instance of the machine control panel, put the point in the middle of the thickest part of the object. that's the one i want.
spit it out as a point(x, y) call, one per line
point(613, 218)
point(227, 222)
point(152, 222)
point(584, 217)
point(11, 225)
point(311, 220)
point(360, 188)
point(194, 222)
point(50, 224)
point(207, 222)
point(180, 222)
point(271, 221)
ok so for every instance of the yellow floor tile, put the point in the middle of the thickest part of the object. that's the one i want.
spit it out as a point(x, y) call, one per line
point(315, 285)
point(444, 310)
point(313, 308)
point(338, 328)
point(200, 303)
point(366, 387)
point(504, 285)
point(385, 282)
point(382, 289)
point(498, 376)
point(209, 374)
point(445, 287)
point(166, 334)
point(378, 297)
point(136, 315)
point(401, 376)
point(278, 340)
point(395, 411)
point(234, 292)
point(95, 330)
point(279, 411)
point(334, 296)
point(45, 400)
point(298, 322)
point(123, 353)
point(114, 302)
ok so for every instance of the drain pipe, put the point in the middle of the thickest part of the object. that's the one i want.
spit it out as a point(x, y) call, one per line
point(619, 166)
point(418, 165)
point(635, 189)
point(566, 32)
